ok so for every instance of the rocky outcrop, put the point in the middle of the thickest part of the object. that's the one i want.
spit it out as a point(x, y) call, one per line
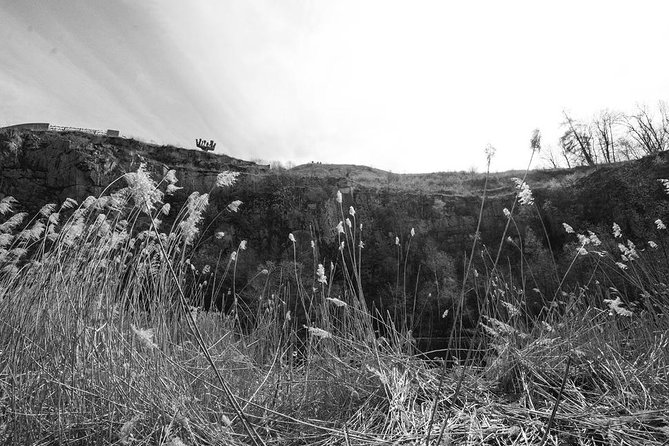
point(40, 167)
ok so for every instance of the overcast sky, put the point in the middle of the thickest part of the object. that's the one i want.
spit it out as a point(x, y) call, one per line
point(408, 86)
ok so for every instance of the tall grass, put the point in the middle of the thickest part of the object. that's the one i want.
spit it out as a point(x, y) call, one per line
point(104, 339)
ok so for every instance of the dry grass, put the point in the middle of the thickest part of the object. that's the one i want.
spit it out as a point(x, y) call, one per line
point(96, 348)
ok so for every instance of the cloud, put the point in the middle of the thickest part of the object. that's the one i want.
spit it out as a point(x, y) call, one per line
point(400, 85)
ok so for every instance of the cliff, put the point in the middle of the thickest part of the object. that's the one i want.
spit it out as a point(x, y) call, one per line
point(41, 167)
point(37, 167)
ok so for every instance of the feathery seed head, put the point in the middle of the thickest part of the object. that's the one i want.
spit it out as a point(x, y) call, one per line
point(652, 244)
point(524, 192)
point(291, 237)
point(617, 233)
point(69, 203)
point(631, 250)
point(535, 141)
point(143, 189)
point(47, 209)
point(351, 211)
point(6, 204)
point(171, 176)
point(337, 302)
point(88, 202)
point(5, 240)
point(226, 178)
point(12, 222)
point(660, 225)
point(507, 213)
point(234, 206)
point(318, 332)
point(171, 188)
point(615, 307)
point(594, 239)
point(195, 206)
point(339, 197)
point(320, 272)
point(568, 229)
point(145, 336)
point(489, 152)
point(242, 245)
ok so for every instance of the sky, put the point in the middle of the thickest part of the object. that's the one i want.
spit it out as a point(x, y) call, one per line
point(403, 85)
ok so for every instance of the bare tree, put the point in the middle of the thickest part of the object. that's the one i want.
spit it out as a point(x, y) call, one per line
point(627, 149)
point(551, 158)
point(649, 132)
point(576, 142)
point(605, 128)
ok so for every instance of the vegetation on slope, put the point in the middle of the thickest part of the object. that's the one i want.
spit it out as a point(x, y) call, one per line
point(104, 339)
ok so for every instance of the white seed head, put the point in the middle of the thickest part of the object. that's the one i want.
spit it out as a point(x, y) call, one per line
point(234, 206)
point(617, 233)
point(226, 178)
point(337, 302)
point(171, 176)
point(320, 272)
point(318, 332)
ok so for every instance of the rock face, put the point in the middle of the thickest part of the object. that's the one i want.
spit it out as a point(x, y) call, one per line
point(423, 274)
point(40, 167)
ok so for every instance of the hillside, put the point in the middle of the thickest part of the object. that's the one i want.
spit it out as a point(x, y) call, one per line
point(43, 167)
point(276, 310)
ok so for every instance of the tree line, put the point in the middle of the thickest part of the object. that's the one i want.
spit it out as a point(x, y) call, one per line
point(610, 136)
